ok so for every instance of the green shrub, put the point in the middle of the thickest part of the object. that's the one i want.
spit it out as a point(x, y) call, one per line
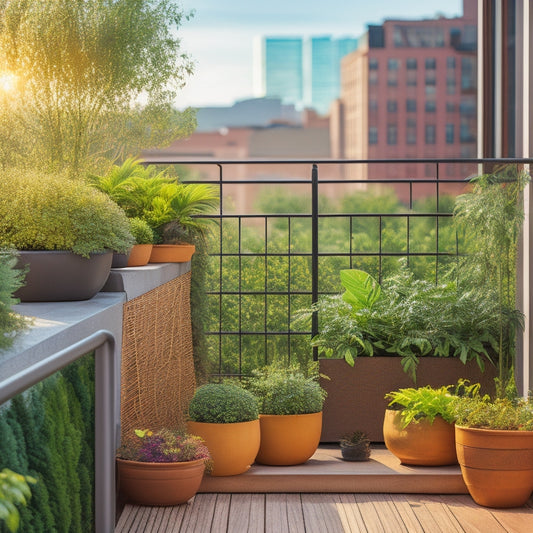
point(286, 391)
point(500, 414)
point(223, 404)
point(10, 280)
point(141, 231)
point(51, 212)
point(428, 402)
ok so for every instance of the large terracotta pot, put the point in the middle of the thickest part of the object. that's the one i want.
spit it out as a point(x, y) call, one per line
point(233, 447)
point(55, 276)
point(288, 439)
point(420, 443)
point(159, 483)
point(497, 465)
point(172, 253)
point(140, 255)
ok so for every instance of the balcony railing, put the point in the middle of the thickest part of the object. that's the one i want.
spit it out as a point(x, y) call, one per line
point(286, 229)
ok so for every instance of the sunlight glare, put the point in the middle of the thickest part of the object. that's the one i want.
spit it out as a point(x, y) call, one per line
point(8, 82)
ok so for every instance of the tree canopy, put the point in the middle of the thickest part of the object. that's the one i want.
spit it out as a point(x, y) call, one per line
point(93, 78)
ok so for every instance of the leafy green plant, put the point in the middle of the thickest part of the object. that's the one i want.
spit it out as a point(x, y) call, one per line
point(407, 317)
point(141, 231)
point(221, 403)
point(428, 402)
point(286, 391)
point(14, 489)
point(490, 218)
point(50, 212)
point(500, 413)
point(10, 280)
point(173, 210)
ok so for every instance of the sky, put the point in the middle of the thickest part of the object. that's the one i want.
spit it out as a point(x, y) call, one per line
point(220, 36)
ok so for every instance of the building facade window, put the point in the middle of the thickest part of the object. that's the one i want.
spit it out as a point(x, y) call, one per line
point(468, 73)
point(411, 78)
point(431, 77)
point(431, 63)
point(373, 77)
point(450, 107)
point(373, 104)
point(431, 106)
point(393, 64)
point(450, 62)
point(410, 131)
point(373, 63)
point(450, 131)
point(430, 134)
point(410, 105)
point(392, 134)
point(450, 84)
point(411, 64)
point(392, 106)
point(372, 135)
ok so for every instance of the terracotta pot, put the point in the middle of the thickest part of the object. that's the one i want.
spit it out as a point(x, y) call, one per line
point(172, 253)
point(420, 443)
point(497, 465)
point(289, 439)
point(56, 276)
point(159, 483)
point(140, 255)
point(233, 447)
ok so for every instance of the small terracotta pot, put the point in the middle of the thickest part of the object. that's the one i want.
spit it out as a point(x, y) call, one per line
point(159, 483)
point(233, 447)
point(289, 439)
point(420, 443)
point(140, 255)
point(172, 253)
point(497, 465)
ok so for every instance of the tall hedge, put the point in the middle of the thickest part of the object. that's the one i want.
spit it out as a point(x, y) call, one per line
point(48, 433)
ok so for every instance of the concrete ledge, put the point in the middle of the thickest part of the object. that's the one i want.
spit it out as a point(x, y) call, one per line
point(327, 472)
point(135, 281)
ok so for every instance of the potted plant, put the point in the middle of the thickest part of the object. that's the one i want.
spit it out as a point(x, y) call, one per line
point(418, 427)
point(144, 239)
point(393, 332)
point(64, 231)
point(355, 446)
point(494, 441)
point(10, 280)
point(170, 208)
point(227, 418)
point(290, 407)
point(163, 467)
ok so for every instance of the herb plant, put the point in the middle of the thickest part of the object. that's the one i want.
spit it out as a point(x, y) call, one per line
point(141, 231)
point(14, 489)
point(221, 403)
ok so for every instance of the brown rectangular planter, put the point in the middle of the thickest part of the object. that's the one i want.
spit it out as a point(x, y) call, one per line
point(356, 394)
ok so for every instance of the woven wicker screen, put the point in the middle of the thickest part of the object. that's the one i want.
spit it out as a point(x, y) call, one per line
point(157, 372)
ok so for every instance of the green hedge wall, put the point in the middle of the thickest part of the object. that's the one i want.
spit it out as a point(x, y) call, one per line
point(48, 433)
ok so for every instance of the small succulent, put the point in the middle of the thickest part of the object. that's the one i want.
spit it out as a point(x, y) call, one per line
point(356, 438)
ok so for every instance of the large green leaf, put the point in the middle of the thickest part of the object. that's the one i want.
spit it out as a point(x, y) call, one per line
point(362, 290)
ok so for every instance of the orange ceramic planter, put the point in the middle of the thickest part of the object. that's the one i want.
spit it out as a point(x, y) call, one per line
point(172, 253)
point(140, 255)
point(289, 439)
point(420, 443)
point(497, 466)
point(159, 483)
point(233, 447)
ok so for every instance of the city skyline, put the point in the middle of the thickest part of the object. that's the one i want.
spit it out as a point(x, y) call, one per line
point(220, 37)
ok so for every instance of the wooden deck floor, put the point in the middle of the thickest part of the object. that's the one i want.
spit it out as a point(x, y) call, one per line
point(325, 513)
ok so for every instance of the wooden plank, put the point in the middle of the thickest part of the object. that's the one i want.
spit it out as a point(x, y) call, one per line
point(243, 508)
point(221, 514)
point(320, 514)
point(257, 514)
point(350, 515)
point(198, 515)
point(440, 512)
point(388, 514)
point(368, 512)
point(472, 517)
point(126, 519)
point(518, 520)
point(295, 513)
point(175, 518)
point(276, 513)
point(407, 516)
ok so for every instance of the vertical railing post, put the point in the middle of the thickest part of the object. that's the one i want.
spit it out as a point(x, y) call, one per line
point(314, 251)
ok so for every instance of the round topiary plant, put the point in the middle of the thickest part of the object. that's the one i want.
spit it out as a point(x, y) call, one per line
point(287, 392)
point(141, 231)
point(219, 403)
point(52, 212)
